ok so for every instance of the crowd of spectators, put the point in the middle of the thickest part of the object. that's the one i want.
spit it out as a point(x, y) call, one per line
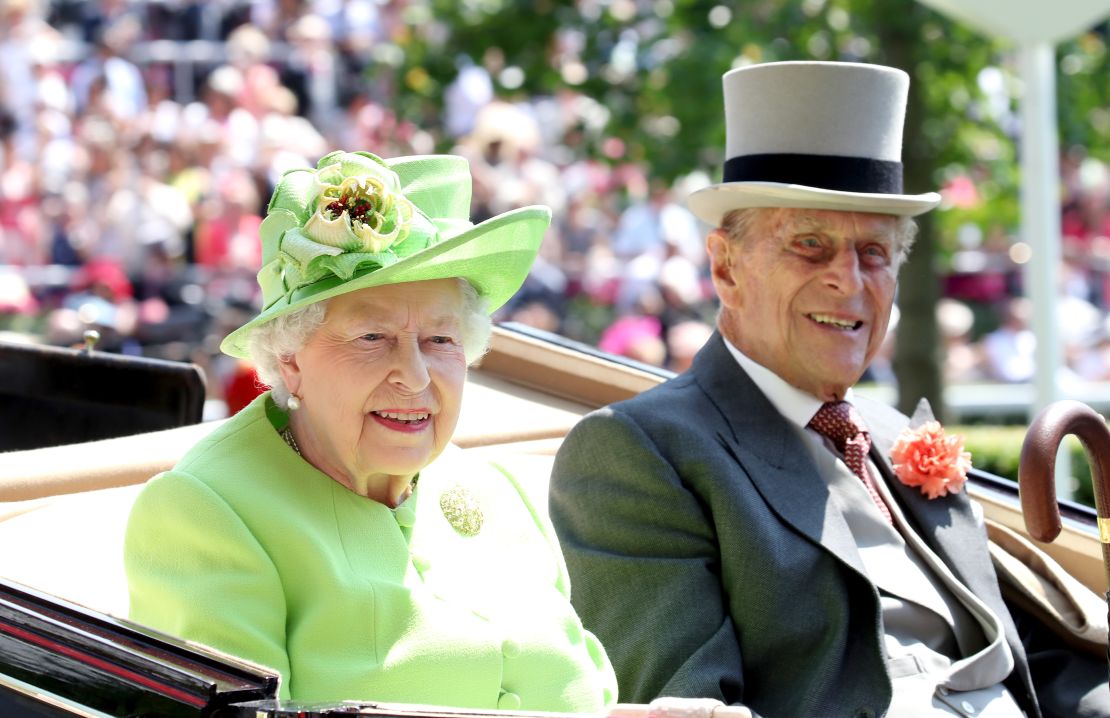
point(139, 141)
point(985, 320)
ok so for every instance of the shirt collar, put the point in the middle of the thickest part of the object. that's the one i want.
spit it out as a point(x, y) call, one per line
point(797, 406)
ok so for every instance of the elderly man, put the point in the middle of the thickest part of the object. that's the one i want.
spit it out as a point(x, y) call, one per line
point(740, 532)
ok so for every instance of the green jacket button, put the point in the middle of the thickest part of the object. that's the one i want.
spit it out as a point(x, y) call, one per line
point(510, 648)
point(508, 701)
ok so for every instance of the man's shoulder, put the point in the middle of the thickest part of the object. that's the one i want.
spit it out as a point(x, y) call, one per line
point(663, 402)
point(676, 413)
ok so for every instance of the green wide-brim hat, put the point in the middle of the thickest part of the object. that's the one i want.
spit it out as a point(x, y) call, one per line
point(359, 221)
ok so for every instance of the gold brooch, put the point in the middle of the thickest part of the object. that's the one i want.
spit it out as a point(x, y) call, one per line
point(461, 509)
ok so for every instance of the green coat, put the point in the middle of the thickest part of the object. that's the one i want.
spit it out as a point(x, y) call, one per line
point(247, 548)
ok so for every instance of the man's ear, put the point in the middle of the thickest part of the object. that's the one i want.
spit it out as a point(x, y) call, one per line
point(290, 373)
point(722, 256)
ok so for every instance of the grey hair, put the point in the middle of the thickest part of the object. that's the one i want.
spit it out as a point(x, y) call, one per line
point(280, 338)
point(739, 223)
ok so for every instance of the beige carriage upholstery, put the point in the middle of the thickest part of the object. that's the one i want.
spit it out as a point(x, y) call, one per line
point(63, 510)
point(61, 530)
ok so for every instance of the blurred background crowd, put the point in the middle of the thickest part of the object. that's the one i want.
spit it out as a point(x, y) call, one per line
point(140, 140)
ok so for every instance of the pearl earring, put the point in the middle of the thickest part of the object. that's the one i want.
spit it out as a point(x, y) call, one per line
point(293, 403)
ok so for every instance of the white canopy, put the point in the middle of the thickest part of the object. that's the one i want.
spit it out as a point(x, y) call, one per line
point(1025, 21)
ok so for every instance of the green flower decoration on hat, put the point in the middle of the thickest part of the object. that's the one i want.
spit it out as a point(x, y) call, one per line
point(359, 221)
point(347, 215)
point(359, 214)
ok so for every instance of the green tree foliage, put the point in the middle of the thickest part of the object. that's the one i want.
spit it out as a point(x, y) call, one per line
point(997, 450)
point(655, 66)
point(655, 61)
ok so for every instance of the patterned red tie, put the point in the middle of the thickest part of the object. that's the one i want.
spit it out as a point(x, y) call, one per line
point(841, 424)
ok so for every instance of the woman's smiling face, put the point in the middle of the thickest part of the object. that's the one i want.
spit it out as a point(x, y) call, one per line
point(380, 384)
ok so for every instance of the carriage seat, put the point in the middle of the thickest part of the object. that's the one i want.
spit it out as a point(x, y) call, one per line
point(63, 510)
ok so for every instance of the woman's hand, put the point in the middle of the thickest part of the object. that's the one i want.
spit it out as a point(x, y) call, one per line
point(674, 707)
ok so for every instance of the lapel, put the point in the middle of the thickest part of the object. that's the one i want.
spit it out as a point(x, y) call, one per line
point(779, 466)
point(948, 524)
point(770, 452)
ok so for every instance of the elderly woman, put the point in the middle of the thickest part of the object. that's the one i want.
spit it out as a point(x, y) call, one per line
point(298, 536)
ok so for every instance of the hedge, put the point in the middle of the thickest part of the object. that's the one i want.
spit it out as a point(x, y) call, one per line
point(997, 449)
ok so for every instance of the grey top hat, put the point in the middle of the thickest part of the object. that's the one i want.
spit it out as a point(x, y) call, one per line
point(819, 135)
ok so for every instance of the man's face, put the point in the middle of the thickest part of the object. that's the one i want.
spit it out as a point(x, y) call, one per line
point(807, 293)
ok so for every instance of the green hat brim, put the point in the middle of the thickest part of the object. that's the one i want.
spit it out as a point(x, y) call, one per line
point(494, 256)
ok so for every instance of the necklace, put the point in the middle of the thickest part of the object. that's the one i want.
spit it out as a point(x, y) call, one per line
point(287, 435)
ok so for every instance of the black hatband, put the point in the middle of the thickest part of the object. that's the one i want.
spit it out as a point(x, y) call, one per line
point(845, 174)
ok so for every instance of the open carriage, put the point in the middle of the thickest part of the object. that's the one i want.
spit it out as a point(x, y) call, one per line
point(66, 648)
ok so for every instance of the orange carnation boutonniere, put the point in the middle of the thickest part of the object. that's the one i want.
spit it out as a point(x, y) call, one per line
point(925, 457)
